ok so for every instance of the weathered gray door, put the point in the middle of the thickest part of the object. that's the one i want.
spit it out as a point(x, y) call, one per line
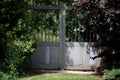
point(79, 44)
point(74, 54)
point(47, 55)
point(77, 56)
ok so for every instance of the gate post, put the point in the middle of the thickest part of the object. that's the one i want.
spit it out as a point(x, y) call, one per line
point(62, 25)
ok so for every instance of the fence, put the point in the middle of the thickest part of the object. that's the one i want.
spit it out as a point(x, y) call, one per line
point(63, 42)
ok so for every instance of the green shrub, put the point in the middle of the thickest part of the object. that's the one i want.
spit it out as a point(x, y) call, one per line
point(113, 74)
point(18, 55)
point(4, 76)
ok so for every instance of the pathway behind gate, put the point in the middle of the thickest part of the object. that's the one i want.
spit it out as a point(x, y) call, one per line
point(67, 71)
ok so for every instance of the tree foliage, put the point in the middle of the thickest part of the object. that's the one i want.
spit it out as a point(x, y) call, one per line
point(16, 36)
point(103, 18)
point(17, 28)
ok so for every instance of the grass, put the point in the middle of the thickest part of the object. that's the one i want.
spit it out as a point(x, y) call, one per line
point(60, 76)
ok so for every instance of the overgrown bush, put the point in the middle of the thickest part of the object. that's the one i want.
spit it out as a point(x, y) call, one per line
point(16, 38)
point(18, 57)
point(4, 76)
point(113, 74)
point(18, 54)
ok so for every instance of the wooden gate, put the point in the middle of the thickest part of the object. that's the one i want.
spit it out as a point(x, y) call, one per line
point(79, 44)
point(49, 51)
point(63, 45)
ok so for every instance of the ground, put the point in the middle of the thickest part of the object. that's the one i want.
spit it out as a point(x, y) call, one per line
point(61, 75)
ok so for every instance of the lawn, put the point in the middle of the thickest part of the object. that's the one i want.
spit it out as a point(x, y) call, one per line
point(61, 76)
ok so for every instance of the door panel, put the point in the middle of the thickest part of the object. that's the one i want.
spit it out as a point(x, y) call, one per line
point(74, 54)
point(46, 56)
point(77, 55)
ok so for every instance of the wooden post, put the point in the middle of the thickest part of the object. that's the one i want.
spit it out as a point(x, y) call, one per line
point(62, 25)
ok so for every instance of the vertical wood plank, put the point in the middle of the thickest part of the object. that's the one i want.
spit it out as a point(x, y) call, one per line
point(62, 25)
